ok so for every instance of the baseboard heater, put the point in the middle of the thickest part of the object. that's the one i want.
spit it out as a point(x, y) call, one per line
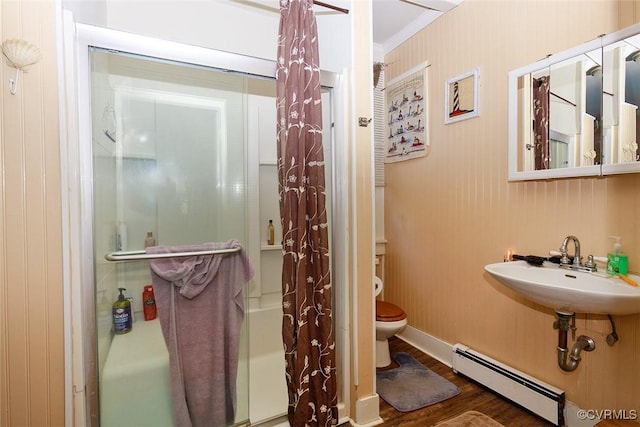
point(540, 398)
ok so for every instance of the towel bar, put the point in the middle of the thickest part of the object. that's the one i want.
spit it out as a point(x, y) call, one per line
point(140, 255)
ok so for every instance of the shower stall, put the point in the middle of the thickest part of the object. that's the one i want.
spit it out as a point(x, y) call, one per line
point(176, 146)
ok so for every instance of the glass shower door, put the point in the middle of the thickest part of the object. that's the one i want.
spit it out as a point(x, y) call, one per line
point(169, 156)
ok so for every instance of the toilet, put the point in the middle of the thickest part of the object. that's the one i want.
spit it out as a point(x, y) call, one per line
point(390, 319)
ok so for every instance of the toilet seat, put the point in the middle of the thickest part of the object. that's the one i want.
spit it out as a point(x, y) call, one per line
point(390, 320)
point(387, 312)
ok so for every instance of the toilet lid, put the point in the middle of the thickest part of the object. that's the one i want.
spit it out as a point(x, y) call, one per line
point(387, 312)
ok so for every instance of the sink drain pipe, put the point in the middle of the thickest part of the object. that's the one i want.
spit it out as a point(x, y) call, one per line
point(569, 361)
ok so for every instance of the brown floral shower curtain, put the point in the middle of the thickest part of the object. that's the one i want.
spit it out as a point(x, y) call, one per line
point(307, 327)
point(541, 91)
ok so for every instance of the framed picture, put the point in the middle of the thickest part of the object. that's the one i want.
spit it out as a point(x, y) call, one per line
point(461, 97)
point(407, 115)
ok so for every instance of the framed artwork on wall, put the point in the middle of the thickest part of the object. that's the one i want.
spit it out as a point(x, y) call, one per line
point(461, 96)
point(407, 115)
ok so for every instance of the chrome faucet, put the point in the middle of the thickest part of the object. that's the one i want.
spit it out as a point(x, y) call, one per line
point(563, 251)
point(565, 262)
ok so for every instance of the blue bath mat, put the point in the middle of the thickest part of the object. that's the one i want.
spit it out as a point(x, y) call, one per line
point(411, 386)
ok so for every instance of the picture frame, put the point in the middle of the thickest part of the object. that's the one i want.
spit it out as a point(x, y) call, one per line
point(461, 96)
point(407, 109)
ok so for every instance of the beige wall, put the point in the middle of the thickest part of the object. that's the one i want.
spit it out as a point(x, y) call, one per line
point(448, 215)
point(31, 323)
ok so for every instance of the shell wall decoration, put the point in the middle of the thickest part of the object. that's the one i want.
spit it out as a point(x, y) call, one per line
point(20, 54)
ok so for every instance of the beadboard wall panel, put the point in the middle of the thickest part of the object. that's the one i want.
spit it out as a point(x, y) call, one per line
point(31, 308)
point(449, 214)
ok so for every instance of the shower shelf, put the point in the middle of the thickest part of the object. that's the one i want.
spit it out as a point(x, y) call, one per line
point(271, 247)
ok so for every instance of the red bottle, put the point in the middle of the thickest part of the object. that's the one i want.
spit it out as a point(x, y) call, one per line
point(149, 303)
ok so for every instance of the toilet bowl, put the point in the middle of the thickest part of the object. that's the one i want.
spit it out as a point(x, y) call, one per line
point(390, 319)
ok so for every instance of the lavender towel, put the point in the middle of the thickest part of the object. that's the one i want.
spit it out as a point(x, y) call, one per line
point(201, 309)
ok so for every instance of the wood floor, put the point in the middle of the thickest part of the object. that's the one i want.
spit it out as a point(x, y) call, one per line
point(472, 397)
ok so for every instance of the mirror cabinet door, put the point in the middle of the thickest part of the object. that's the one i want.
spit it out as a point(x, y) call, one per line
point(574, 111)
point(621, 102)
point(558, 110)
point(577, 113)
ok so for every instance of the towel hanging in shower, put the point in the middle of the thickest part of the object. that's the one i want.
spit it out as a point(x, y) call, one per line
point(201, 309)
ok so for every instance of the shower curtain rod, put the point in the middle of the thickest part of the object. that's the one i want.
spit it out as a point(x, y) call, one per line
point(330, 6)
point(140, 255)
point(277, 10)
point(563, 99)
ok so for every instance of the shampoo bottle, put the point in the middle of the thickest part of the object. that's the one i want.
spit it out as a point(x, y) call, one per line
point(149, 240)
point(617, 262)
point(121, 236)
point(271, 233)
point(149, 303)
point(121, 314)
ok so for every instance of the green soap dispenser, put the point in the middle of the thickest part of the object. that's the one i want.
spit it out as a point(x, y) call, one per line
point(617, 262)
point(122, 320)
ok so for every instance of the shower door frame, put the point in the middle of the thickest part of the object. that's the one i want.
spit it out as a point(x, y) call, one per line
point(81, 379)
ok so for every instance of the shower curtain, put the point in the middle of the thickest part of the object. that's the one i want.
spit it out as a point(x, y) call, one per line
point(307, 327)
point(541, 91)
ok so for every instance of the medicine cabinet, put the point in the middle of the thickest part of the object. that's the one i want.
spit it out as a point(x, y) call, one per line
point(576, 113)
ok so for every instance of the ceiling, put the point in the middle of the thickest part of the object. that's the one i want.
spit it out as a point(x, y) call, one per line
point(394, 21)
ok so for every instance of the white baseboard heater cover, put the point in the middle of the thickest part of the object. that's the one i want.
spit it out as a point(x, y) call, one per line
point(538, 397)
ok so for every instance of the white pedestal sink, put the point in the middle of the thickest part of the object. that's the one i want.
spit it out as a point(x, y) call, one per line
point(567, 290)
